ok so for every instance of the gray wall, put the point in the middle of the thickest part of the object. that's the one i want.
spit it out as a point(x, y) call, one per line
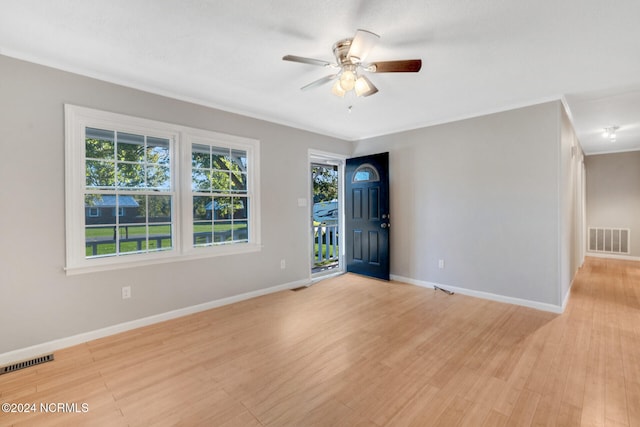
point(483, 194)
point(613, 193)
point(38, 302)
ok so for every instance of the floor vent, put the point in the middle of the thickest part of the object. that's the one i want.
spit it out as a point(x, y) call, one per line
point(26, 363)
point(609, 240)
point(299, 288)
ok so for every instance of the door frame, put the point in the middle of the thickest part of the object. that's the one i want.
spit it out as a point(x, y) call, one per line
point(333, 159)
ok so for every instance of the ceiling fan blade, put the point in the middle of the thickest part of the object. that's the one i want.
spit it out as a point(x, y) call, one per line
point(319, 82)
point(304, 60)
point(361, 45)
point(404, 66)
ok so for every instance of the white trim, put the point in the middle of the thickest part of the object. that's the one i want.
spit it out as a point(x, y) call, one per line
point(322, 276)
point(597, 153)
point(261, 115)
point(48, 347)
point(565, 300)
point(78, 118)
point(154, 90)
point(484, 295)
point(612, 256)
point(334, 159)
point(164, 257)
point(461, 117)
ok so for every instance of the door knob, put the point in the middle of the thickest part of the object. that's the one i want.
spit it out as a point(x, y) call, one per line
point(384, 225)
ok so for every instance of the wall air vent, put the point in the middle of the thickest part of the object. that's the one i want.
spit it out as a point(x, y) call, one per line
point(609, 240)
point(26, 363)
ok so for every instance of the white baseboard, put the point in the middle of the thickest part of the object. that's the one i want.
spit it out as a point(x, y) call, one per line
point(612, 256)
point(51, 346)
point(484, 295)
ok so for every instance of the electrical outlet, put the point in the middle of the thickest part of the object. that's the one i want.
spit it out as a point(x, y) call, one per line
point(441, 263)
point(283, 264)
point(126, 292)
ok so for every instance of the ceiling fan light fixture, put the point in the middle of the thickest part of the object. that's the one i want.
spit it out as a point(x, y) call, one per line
point(347, 80)
point(350, 54)
point(337, 89)
point(364, 87)
point(362, 43)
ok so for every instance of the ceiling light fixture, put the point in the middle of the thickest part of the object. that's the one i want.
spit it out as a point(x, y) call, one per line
point(364, 87)
point(610, 133)
point(349, 80)
point(350, 54)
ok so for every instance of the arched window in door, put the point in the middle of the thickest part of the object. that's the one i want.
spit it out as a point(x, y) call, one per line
point(365, 173)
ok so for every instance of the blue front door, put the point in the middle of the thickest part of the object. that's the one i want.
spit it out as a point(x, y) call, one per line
point(367, 215)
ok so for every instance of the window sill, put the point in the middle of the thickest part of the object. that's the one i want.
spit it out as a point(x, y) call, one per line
point(113, 263)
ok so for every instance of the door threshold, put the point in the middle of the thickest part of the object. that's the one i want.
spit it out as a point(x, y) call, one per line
point(326, 275)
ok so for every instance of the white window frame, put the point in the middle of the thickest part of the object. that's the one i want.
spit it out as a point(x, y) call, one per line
point(77, 119)
point(252, 148)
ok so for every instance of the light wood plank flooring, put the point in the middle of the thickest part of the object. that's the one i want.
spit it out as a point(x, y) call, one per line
point(351, 351)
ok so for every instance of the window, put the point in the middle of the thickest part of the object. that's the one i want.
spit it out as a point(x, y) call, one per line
point(365, 173)
point(220, 195)
point(140, 191)
point(129, 174)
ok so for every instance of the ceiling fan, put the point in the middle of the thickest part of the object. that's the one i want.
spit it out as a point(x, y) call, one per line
point(350, 56)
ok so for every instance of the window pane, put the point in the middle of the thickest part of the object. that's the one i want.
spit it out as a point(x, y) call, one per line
point(202, 233)
point(158, 151)
point(202, 208)
point(159, 177)
point(159, 209)
point(239, 160)
point(220, 182)
point(365, 173)
point(220, 158)
point(222, 208)
point(131, 209)
point(99, 144)
point(100, 241)
point(132, 238)
point(99, 209)
point(222, 231)
point(200, 156)
point(240, 207)
point(131, 175)
point(200, 180)
point(239, 182)
point(160, 237)
point(130, 147)
point(240, 231)
point(100, 174)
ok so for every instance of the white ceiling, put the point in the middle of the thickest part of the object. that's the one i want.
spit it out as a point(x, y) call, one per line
point(479, 56)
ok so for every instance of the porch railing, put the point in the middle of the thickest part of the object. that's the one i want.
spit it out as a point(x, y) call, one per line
point(326, 246)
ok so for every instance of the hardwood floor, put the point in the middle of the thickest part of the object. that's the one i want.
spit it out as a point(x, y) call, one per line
point(357, 352)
